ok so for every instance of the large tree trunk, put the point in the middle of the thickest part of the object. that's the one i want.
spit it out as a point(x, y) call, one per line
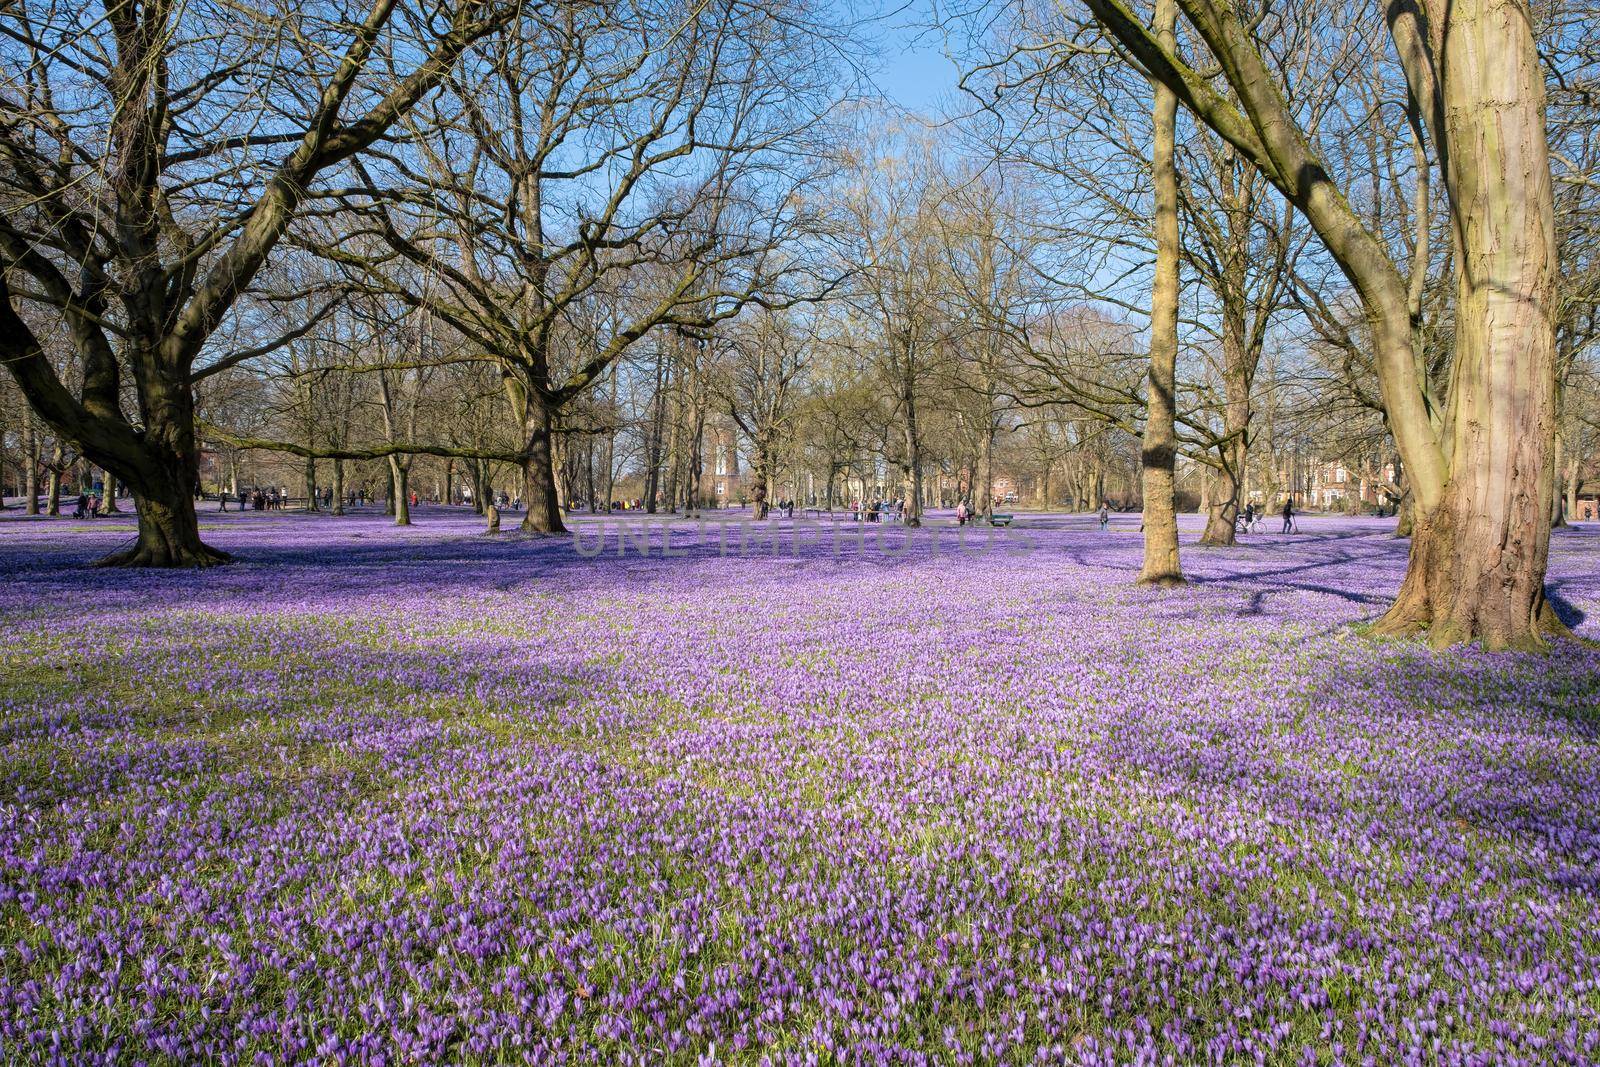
point(1159, 451)
point(53, 483)
point(310, 478)
point(1558, 510)
point(658, 415)
point(761, 479)
point(1573, 467)
point(696, 462)
point(539, 493)
point(674, 459)
point(169, 533)
point(4, 420)
point(30, 466)
point(163, 480)
point(913, 441)
point(1406, 520)
point(984, 505)
point(474, 479)
point(108, 499)
point(399, 478)
point(1478, 558)
point(1237, 371)
point(338, 487)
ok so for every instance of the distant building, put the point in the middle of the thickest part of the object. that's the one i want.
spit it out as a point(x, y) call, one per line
point(210, 468)
point(721, 456)
point(1588, 503)
point(1319, 483)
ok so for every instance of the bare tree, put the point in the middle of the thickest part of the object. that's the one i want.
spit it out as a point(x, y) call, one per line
point(140, 200)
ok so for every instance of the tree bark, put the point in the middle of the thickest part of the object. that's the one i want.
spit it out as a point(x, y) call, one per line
point(108, 499)
point(1159, 451)
point(1237, 371)
point(30, 466)
point(539, 493)
point(984, 505)
point(912, 471)
point(695, 491)
point(760, 479)
point(338, 487)
point(1478, 558)
point(399, 478)
point(168, 534)
point(310, 479)
point(162, 472)
point(1573, 467)
point(1558, 512)
point(53, 483)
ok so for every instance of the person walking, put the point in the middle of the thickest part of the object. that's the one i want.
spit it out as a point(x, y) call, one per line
point(1288, 514)
point(83, 505)
point(1105, 516)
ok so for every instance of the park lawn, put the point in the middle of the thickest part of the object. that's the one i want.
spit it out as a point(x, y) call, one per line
point(395, 796)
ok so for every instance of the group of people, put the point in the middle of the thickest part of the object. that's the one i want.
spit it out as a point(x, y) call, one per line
point(272, 498)
point(88, 506)
point(1251, 515)
point(878, 511)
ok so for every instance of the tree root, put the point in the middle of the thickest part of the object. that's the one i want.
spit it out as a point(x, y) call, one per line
point(142, 555)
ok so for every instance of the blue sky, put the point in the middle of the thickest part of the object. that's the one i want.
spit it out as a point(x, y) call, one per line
point(913, 69)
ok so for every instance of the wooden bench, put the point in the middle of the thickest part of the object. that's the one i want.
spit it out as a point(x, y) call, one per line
point(1000, 519)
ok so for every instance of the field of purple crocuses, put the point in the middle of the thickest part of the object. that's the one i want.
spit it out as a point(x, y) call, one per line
point(801, 793)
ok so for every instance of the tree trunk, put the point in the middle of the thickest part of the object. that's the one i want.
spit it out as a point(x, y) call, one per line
point(482, 488)
point(311, 485)
point(108, 499)
point(338, 487)
point(1558, 512)
point(1478, 558)
point(984, 505)
point(696, 462)
point(399, 477)
point(760, 478)
point(3, 450)
point(163, 480)
point(169, 534)
point(1159, 451)
point(674, 460)
point(30, 466)
point(913, 442)
point(539, 493)
point(1573, 466)
point(53, 483)
point(1234, 450)
point(658, 414)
